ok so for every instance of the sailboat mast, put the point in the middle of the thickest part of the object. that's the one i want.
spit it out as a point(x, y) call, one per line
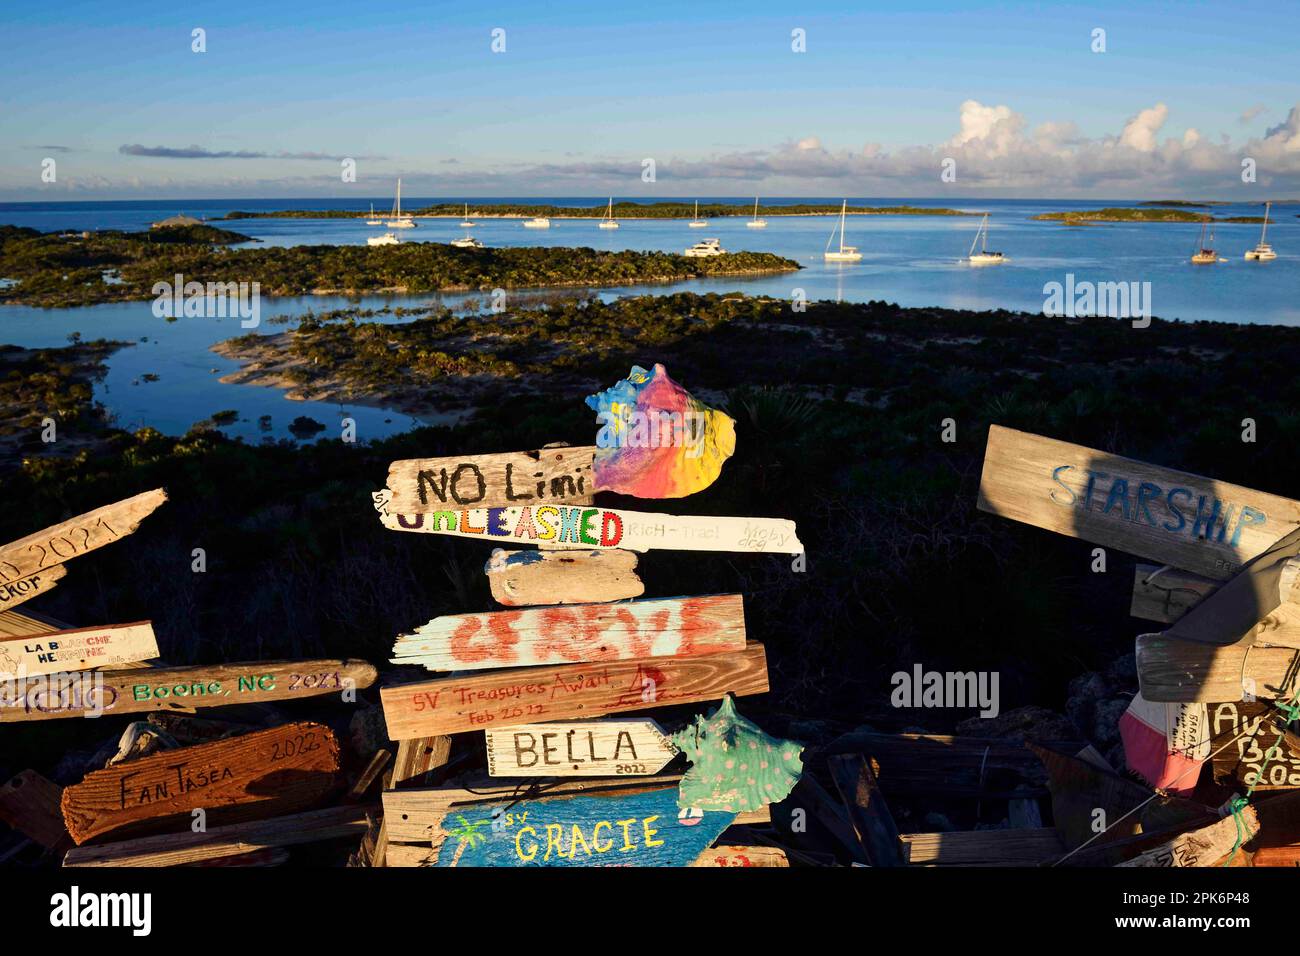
point(1264, 231)
point(843, 209)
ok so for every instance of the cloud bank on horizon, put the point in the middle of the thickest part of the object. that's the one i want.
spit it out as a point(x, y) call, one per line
point(995, 150)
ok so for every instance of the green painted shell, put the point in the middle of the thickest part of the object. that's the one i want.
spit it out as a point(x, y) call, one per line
point(734, 765)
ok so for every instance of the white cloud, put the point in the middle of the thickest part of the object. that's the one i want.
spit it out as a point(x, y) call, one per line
point(1140, 131)
point(809, 142)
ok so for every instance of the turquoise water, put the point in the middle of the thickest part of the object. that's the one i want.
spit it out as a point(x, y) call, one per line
point(914, 261)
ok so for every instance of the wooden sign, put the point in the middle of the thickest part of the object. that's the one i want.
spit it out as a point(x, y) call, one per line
point(573, 526)
point(521, 578)
point(94, 693)
point(743, 856)
point(1203, 847)
point(598, 748)
point(1199, 524)
point(266, 773)
point(77, 649)
point(670, 627)
point(29, 803)
point(28, 566)
point(1244, 733)
point(642, 829)
point(1170, 670)
point(492, 481)
point(1166, 594)
point(530, 695)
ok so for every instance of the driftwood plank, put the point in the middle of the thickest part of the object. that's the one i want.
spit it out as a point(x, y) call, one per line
point(413, 815)
point(1166, 594)
point(92, 693)
point(1203, 847)
point(77, 649)
point(530, 695)
point(1185, 520)
point(492, 481)
point(573, 526)
point(417, 758)
point(267, 773)
point(523, 578)
point(1014, 847)
point(183, 849)
point(582, 633)
point(30, 804)
point(1243, 736)
point(27, 565)
point(23, 623)
point(596, 748)
point(1175, 671)
point(743, 856)
point(869, 814)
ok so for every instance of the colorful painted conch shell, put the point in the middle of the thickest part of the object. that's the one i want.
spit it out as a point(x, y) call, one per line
point(734, 765)
point(655, 440)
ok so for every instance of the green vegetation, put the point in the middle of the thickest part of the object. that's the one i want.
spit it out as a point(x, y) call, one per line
point(622, 210)
point(53, 270)
point(57, 384)
point(1116, 214)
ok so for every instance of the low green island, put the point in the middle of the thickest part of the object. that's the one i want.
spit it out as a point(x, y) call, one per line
point(56, 270)
point(622, 210)
point(1122, 214)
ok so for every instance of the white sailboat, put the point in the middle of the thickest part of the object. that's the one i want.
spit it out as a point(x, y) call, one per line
point(608, 222)
point(399, 221)
point(756, 223)
point(697, 222)
point(387, 239)
point(983, 257)
point(1263, 251)
point(373, 220)
point(467, 223)
point(1205, 254)
point(846, 253)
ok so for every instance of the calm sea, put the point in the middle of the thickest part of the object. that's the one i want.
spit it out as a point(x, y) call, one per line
point(911, 260)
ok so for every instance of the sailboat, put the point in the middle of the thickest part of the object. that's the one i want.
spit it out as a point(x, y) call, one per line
point(1262, 251)
point(467, 223)
point(697, 222)
point(983, 257)
point(373, 220)
point(399, 221)
point(846, 253)
point(756, 223)
point(1205, 254)
point(608, 222)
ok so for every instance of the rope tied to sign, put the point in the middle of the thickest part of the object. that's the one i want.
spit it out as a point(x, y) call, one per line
point(1237, 805)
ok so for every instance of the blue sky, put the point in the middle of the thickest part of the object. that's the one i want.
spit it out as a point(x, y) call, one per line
point(712, 92)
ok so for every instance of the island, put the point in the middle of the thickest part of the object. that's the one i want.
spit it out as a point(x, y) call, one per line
point(1121, 214)
point(622, 210)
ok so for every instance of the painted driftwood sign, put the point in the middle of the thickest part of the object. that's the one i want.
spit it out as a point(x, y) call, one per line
point(95, 693)
point(577, 633)
point(1203, 847)
point(530, 695)
point(265, 773)
point(1186, 671)
point(641, 829)
point(32, 565)
point(597, 748)
point(572, 526)
point(1198, 524)
point(544, 475)
point(76, 650)
point(524, 578)
point(1244, 735)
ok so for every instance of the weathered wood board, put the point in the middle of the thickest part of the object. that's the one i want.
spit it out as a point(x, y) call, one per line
point(543, 475)
point(27, 566)
point(30, 804)
point(1175, 671)
point(93, 693)
point(1243, 734)
point(24, 623)
point(572, 526)
point(524, 578)
point(77, 649)
point(1203, 847)
point(743, 856)
point(577, 633)
point(596, 748)
point(1166, 594)
point(641, 829)
point(530, 695)
point(415, 815)
point(1195, 523)
point(1013, 847)
point(266, 773)
point(187, 849)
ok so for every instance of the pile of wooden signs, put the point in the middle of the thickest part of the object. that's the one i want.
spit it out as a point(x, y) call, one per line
point(223, 786)
point(1219, 685)
point(576, 643)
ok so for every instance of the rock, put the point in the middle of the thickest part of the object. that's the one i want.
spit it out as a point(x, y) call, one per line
point(1122, 673)
point(1105, 722)
point(1029, 722)
point(367, 732)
